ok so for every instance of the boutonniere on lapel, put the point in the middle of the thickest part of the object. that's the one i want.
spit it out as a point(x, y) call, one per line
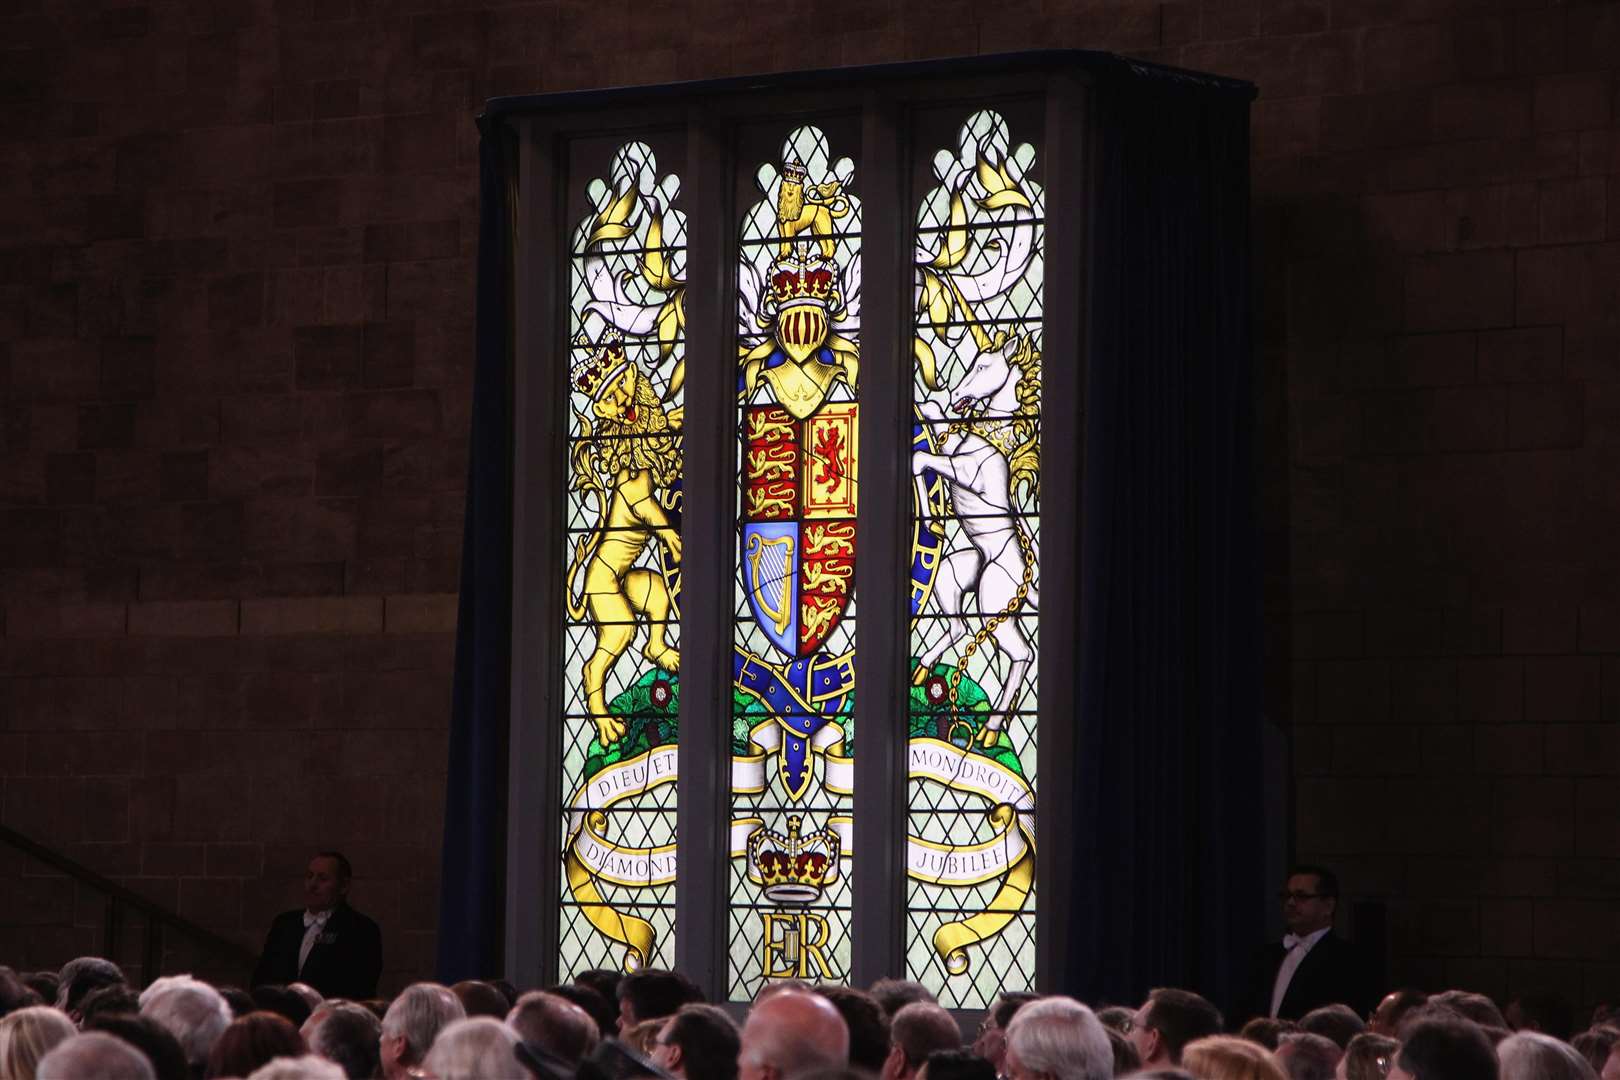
point(328, 937)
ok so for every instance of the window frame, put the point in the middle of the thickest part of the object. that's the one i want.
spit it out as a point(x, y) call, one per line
point(709, 116)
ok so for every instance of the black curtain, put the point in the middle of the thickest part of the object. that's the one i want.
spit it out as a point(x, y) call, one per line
point(1168, 854)
point(472, 889)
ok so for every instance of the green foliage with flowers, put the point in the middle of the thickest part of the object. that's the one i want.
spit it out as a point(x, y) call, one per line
point(651, 706)
point(648, 710)
point(932, 717)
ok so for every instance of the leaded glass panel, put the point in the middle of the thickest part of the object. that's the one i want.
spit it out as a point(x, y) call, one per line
point(975, 593)
point(621, 642)
point(792, 745)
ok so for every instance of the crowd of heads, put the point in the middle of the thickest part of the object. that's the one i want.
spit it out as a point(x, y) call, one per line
point(86, 1022)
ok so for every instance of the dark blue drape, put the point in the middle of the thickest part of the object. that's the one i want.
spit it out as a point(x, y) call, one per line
point(1168, 853)
point(472, 891)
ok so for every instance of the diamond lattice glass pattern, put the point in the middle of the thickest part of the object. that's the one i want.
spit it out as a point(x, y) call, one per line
point(975, 590)
point(798, 320)
point(621, 643)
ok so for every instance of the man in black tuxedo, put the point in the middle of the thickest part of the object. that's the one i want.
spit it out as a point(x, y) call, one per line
point(1312, 966)
point(328, 945)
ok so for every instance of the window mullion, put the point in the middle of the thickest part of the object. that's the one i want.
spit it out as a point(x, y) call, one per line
point(1062, 393)
point(882, 631)
point(709, 544)
point(535, 725)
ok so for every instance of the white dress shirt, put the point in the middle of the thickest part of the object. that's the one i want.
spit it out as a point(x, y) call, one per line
point(314, 923)
point(1297, 948)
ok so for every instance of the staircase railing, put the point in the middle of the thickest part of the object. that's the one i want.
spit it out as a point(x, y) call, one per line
point(121, 901)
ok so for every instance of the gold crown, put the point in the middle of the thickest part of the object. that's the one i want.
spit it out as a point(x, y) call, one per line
point(793, 171)
point(794, 868)
point(594, 371)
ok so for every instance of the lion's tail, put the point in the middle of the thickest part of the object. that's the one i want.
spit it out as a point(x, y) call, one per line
point(583, 550)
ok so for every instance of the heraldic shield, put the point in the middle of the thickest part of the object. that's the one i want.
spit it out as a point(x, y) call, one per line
point(798, 531)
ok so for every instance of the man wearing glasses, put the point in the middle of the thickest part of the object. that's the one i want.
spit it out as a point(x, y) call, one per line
point(1311, 966)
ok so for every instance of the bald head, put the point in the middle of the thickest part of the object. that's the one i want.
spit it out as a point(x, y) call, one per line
point(781, 986)
point(789, 1033)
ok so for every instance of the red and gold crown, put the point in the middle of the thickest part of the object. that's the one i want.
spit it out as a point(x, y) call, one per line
point(795, 868)
point(793, 171)
point(798, 282)
point(599, 368)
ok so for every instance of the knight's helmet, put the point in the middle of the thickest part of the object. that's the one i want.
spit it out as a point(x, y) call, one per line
point(804, 290)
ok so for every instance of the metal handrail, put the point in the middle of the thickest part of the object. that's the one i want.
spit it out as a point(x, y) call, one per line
point(120, 898)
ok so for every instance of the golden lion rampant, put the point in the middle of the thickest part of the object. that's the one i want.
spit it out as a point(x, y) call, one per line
point(629, 476)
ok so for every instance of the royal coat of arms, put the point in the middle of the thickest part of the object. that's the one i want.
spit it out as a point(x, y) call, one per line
point(974, 591)
point(800, 314)
point(794, 667)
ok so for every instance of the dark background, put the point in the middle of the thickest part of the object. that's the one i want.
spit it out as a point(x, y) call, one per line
point(236, 301)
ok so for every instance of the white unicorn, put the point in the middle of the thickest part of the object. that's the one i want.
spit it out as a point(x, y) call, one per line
point(984, 460)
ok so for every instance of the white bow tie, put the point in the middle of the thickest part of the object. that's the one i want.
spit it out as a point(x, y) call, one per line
point(310, 918)
point(1291, 941)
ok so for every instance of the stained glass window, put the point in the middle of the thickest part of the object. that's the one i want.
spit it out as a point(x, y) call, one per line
point(975, 593)
point(779, 208)
point(792, 736)
point(623, 520)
